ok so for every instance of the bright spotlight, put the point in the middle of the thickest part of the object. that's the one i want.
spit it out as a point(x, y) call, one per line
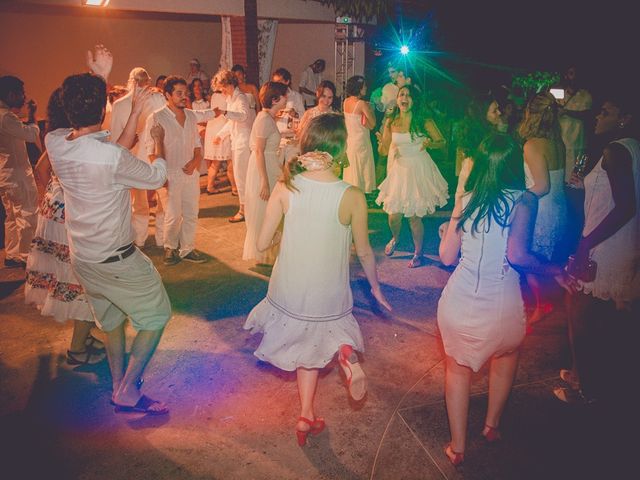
point(404, 50)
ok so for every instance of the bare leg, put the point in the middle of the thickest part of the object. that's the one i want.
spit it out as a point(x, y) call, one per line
point(539, 311)
point(115, 347)
point(144, 345)
point(81, 331)
point(307, 383)
point(395, 224)
point(457, 384)
point(232, 179)
point(417, 232)
point(212, 173)
point(501, 375)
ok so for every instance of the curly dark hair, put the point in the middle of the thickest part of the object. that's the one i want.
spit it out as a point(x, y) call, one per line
point(354, 86)
point(84, 97)
point(171, 81)
point(56, 116)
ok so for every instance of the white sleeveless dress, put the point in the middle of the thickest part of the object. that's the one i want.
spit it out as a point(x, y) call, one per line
point(414, 186)
point(551, 221)
point(361, 171)
point(306, 315)
point(618, 257)
point(481, 312)
point(254, 209)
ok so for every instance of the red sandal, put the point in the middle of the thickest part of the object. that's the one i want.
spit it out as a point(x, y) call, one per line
point(491, 434)
point(315, 427)
point(456, 458)
point(356, 379)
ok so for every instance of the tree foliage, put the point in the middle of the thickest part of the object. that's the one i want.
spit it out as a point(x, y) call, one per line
point(359, 9)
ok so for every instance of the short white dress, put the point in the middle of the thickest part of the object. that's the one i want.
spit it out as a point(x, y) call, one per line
point(414, 186)
point(265, 127)
point(221, 151)
point(361, 171)
point(481, 311)
point(551, 221)
point(306, 315)
point(51, 284)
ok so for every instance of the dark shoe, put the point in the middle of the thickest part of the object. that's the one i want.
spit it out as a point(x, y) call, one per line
point(88, 357)
point(456, 458)
point(572, 397)
point(491, 434)
point(11, 263)
point(195, 256)
point(94, 344)
point(237, 218)
point(144, 405)
point(171, 256)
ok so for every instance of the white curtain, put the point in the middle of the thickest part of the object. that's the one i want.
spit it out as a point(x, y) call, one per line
point(267, 30)
point(226, 54)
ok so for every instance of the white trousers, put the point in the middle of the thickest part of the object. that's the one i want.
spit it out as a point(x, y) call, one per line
point(240, 158)
point(180, 200)
point(20, 200)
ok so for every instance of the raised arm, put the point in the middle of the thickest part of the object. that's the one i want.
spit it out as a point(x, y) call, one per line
point(128, 137)
point(354, 208)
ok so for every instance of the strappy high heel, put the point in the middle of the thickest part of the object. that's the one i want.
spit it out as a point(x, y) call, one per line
point(356, 379)
point(315, 427)
point(491, 434)
point(456, 458)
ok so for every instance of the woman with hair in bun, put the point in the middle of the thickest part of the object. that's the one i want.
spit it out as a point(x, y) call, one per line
point(306, 317)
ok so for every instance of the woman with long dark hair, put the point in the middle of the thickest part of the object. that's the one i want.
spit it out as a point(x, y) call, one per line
point(414, 186)
point(307, 317)
point(481, 313)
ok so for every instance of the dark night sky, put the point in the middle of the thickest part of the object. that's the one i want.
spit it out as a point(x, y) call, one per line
point(602, 37)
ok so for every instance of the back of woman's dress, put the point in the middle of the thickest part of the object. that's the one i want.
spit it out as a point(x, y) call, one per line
point(306, 315)
point(414, 186)
point(481, 312)
point(361, 171)
point(263, 127)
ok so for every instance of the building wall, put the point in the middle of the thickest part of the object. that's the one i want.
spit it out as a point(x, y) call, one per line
point(299, 44)
point(42, 49)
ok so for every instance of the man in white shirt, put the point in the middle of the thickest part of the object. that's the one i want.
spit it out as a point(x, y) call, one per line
point(309, 81)
point(138, 79)
point(288, 118)
point(181, 196)
point(240, 117)
point(17, 185)
point(119, 281)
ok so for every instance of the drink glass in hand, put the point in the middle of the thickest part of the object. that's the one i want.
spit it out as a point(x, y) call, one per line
point(579, 168)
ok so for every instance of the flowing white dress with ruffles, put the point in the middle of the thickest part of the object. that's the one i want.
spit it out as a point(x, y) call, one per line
point(306, 315)
point(414, 186)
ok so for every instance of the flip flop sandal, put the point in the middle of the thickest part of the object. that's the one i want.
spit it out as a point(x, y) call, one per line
point(237, 218)
point(144, 405)
point(84, 358)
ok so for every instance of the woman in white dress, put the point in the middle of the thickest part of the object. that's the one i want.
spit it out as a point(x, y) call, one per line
point(414, 186)
point(50, 282)
point(544, 156)
point(265, 167)
point(481, 312)
point(607, 264)
point(249, 89)
point(360, 120)
point(306, 317)
point(325, 94)
point(215, 154)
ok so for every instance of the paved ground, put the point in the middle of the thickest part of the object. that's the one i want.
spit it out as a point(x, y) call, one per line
point(232, 417)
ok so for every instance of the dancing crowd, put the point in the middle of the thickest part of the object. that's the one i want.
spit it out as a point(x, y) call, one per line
point(305, 177)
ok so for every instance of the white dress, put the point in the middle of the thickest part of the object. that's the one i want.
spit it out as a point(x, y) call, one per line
point(361, 171)
point(481, 312)
point(221, 151)
point(255, 208)
point(51, 284)
point(306, 315)
point(414, 186)
point(551, 221)
point(617, 257)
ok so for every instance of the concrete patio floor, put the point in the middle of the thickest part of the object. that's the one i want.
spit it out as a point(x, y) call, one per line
point(232, 417)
